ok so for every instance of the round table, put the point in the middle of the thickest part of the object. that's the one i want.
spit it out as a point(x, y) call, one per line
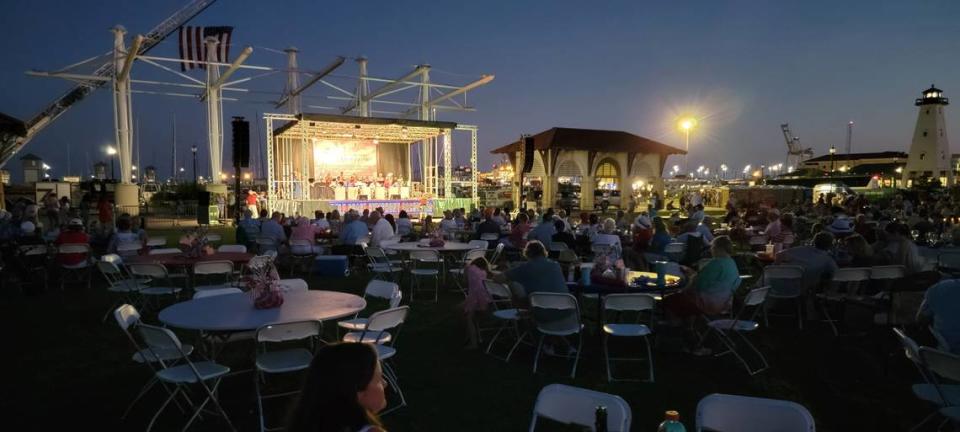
point(416, 246)
point(235, 312)
point(179, 260)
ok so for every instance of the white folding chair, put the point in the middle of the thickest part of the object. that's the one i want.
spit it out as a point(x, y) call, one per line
point(942, 396)
point(155, 242)
point(127, 249)
point(161, 340)
point(79, 272)
point(301, 255)
point(232, 248)
point(568, 326)
point(165, 251)
point(786, 284)
point(488, 237)
point(128, 318)
point(281, 361)
point(458, 272)
point(118, 282)
point(497, 251)
point(723, 412)
point(505, 312)
point(886, 277)
point(847, 282)
point(381, 266)
point(740, 324)
point(213, 292)
point(376, 333)
point(615, 304)
point(479, 244)
point(157, 274)
point(942, 366)
point(293, 285)
point(265, 244)
point(212, 275)
point(378, 289)
point(424, 265)
point(578, 406)
point(214, 238)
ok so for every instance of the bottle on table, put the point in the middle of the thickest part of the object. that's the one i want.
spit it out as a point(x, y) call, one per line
point(600, 419)
point(671, 423)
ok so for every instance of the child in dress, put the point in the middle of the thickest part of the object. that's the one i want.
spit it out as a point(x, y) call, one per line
point(478, 299)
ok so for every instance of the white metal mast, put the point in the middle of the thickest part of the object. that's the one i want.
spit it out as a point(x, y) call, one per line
point(293, 82)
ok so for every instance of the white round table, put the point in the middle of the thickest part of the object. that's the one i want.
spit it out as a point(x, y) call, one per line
point(235, 312)
point(416, 246)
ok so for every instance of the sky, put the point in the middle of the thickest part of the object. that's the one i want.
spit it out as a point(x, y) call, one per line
point(741, 67)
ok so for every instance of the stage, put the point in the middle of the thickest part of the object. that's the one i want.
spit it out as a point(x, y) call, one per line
point(415, 208)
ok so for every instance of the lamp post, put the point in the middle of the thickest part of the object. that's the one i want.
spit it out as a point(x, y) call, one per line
point(833, 151)
point(723, 171)
point(686, 124)
point(112, 152)
point(194, 150)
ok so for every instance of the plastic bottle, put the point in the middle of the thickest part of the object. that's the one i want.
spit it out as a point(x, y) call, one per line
point(671, 423)
point(661, 268)
point(600, 419)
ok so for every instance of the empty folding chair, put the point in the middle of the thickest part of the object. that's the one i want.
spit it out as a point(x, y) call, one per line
point(375, 289)
point(570, 405)
point(161, 340)
point(156, 242)
point(159, 281)
point(128, 318)
point(424, 265)
point(479, 244)
point(847, 282)
point(165, 251)
point(887, 277)
point(380, 265)
point(232, 248)
point(118, 282)
point(376, 333)
point(738, 325)
point(213, 292)
point(497, 252)
point(293, 285)
point(926, 390)
point(78, 272)
point(281, 361)
point(786, 284)
point(722, 412)
point(505, 312)
point(942, 366)
point(568, 324)
point(212, 275)
point(617, 304)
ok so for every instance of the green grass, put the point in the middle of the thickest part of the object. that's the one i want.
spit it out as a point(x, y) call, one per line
point(65, 367)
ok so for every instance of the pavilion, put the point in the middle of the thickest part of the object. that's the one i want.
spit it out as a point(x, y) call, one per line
point(605, 159)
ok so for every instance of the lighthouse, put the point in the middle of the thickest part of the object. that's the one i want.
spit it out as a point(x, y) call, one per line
point(930, 151)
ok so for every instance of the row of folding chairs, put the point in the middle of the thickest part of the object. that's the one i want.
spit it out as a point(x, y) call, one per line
point(577, 406)
point(940, 374)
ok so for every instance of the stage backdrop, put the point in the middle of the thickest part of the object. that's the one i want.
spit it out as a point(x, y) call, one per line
point(359, 158)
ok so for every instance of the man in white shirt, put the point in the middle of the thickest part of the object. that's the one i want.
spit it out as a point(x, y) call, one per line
point(448, 225)
point(382, 230)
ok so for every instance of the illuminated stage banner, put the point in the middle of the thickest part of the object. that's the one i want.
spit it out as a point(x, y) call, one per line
point(345, 158)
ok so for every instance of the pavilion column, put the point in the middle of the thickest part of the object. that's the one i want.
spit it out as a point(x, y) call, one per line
point(587, 185)
point(549, 191)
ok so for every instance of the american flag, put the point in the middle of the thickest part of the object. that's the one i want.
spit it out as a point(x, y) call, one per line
point(193, 49)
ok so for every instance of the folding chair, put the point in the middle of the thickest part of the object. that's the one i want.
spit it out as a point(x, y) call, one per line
point(949, 263)
point(479, 244)
point(214, 238)
point(489, 237)
point(722, 412)
point(757, 242)
point(155, 242)
point(375, 332)
point(381, 266)
point(293, 285)
point(232, 248)
point(726, 328)
point(941, 366)
point(157, 273)
point(161, 340)
point(505, 312)
point(165, 251)
point(497, 252)
point(213, 292)
point(378, 289)
point(301, 255)
point(129, 248)
point(567, 326)
point(615, 304)
point(79, 272)
point(786, 284)
point(265, 244)
point(212, 275)
point(578, 406)
point(847, 283)
point(287, 360)
point(675, 251)
point(887, 276)
point(418, 259)
point(118, 282)
point(128, 318)
point(459, 272)
point(33, 259)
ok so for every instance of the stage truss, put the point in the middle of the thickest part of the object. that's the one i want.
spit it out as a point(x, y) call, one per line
point(287, 141)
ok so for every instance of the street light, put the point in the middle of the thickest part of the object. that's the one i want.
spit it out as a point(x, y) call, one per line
point(194, 150)
point(686, 124)
point(746, 170)
point(723, 168)
point(833, 150)
point(111, 151)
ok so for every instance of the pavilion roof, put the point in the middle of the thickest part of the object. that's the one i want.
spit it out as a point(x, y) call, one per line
point(338, 127)
point(593, 140)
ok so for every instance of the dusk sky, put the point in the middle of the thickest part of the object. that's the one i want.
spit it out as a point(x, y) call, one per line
point(743, 67)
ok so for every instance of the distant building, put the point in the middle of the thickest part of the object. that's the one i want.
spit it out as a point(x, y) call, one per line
point(150, 174)
point(930, 155)
point(100, 171)
point(32, 168)
point(847, 162)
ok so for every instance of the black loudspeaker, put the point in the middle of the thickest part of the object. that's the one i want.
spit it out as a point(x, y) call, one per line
point(241, 142)
point(203, 208)
point(527, 154)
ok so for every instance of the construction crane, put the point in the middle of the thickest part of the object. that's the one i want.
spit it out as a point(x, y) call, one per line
point(15, 134)
point(795, 154)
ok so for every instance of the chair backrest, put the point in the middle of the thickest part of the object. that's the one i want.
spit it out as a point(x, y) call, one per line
point(474, 254)
point(301, 243)
point(149, 269)
point(381, 289)
point(73, 248)
point(949, 260)
point(783, 272)
point(213, 292)
point(289, 331)
point(943, 364)
point(112, 258)
point(165, 251)
point(213, 268)
point(479, 244)
point(555, 301)
point(129, 248)
point(724, 412)
point(126, 316)
point(629, 302)
point(887, 272)
point(396, 299)
point(573, 405)
point(601, 248)
point(375, 253)
point(232, 248)
point(156, 241)
point(758, 240)
point(852, 274)
point(756, 296)
point(293, 285)
point(387, 319)
point(272, 254)
point(784, 280)
point(496, 252)
point(497, 290)
point(558, 246)
point(425, 255)
point(912, 351)
point(109, 270)
point(213, 237)
point(159, 339)
point(489, 236)
point(674, 248)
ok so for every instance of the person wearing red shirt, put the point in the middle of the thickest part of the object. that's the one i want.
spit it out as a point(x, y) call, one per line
point(73, 235)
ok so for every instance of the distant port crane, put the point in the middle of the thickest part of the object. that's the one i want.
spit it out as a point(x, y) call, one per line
point(795, 154)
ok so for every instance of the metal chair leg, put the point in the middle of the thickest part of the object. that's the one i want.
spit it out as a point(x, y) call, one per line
point(536, 357)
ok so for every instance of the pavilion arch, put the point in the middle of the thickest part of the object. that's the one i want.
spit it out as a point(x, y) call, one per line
point(608, 170)
point(568, 167)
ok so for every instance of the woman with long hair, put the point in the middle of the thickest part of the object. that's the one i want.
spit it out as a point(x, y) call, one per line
point(343, 392)
point(478, 299)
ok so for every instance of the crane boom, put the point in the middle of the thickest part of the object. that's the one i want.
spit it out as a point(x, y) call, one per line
point(12, 141)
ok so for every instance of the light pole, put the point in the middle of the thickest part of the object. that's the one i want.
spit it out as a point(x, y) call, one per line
point(833, 151)
point(181, 172)
point(194, 150)
point(686, 124)
point(723, 170)
point(112, 152)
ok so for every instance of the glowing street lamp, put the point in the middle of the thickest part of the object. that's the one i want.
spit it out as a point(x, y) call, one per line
point(723, 169)
point(833, 151)
point(686, 124)
point(111, 151)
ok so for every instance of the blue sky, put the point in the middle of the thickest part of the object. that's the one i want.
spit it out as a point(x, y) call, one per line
point(744, 67)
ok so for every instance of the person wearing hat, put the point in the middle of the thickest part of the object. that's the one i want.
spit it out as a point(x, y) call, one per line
point(73, 235)
point(841, 227)
point(642, 233)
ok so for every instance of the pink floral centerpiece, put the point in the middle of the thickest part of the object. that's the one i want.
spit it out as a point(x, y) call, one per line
point(263, 283)
point(436, 238)
point(194, 243)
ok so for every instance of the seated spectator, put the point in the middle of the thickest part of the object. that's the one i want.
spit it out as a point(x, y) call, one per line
point(518, 234)
point(818, 265)
point(563, 236)
point(608, 236)
point(273, 230)
point(73, 235)
point(305, 231)
point(773, 229)
point(353, 230)
point(404, 225)
point(498, 217)
point(899, 249)
point(335, 223)
point(860, 253)
point(343, 391)
point(248, 229)
point(544, 232)
point(478, 299)
point(382, 230)
point(489, 225)
point(392, 221)
point(939, 310)
point(562, 215)
point(642, 233)
point(123, 236)
point(428, 226)
point(623, 221)
point(321, 221)
point(448, 225)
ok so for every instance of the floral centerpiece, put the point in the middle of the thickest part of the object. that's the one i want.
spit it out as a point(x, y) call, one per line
point(263, 283)
point(194, 244)
point(436, 238)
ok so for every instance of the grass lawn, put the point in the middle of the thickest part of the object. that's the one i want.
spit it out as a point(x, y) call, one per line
point(66, 367)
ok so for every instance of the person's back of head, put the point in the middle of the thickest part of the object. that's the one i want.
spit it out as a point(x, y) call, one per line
point(523, 218)
point(823, 241)
point(534, 249)
point(264, 213)
point(609, 226)
point(403, 214)
point(559, 225)
point(594, 219)
point(721, 246)
point(277, 216)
